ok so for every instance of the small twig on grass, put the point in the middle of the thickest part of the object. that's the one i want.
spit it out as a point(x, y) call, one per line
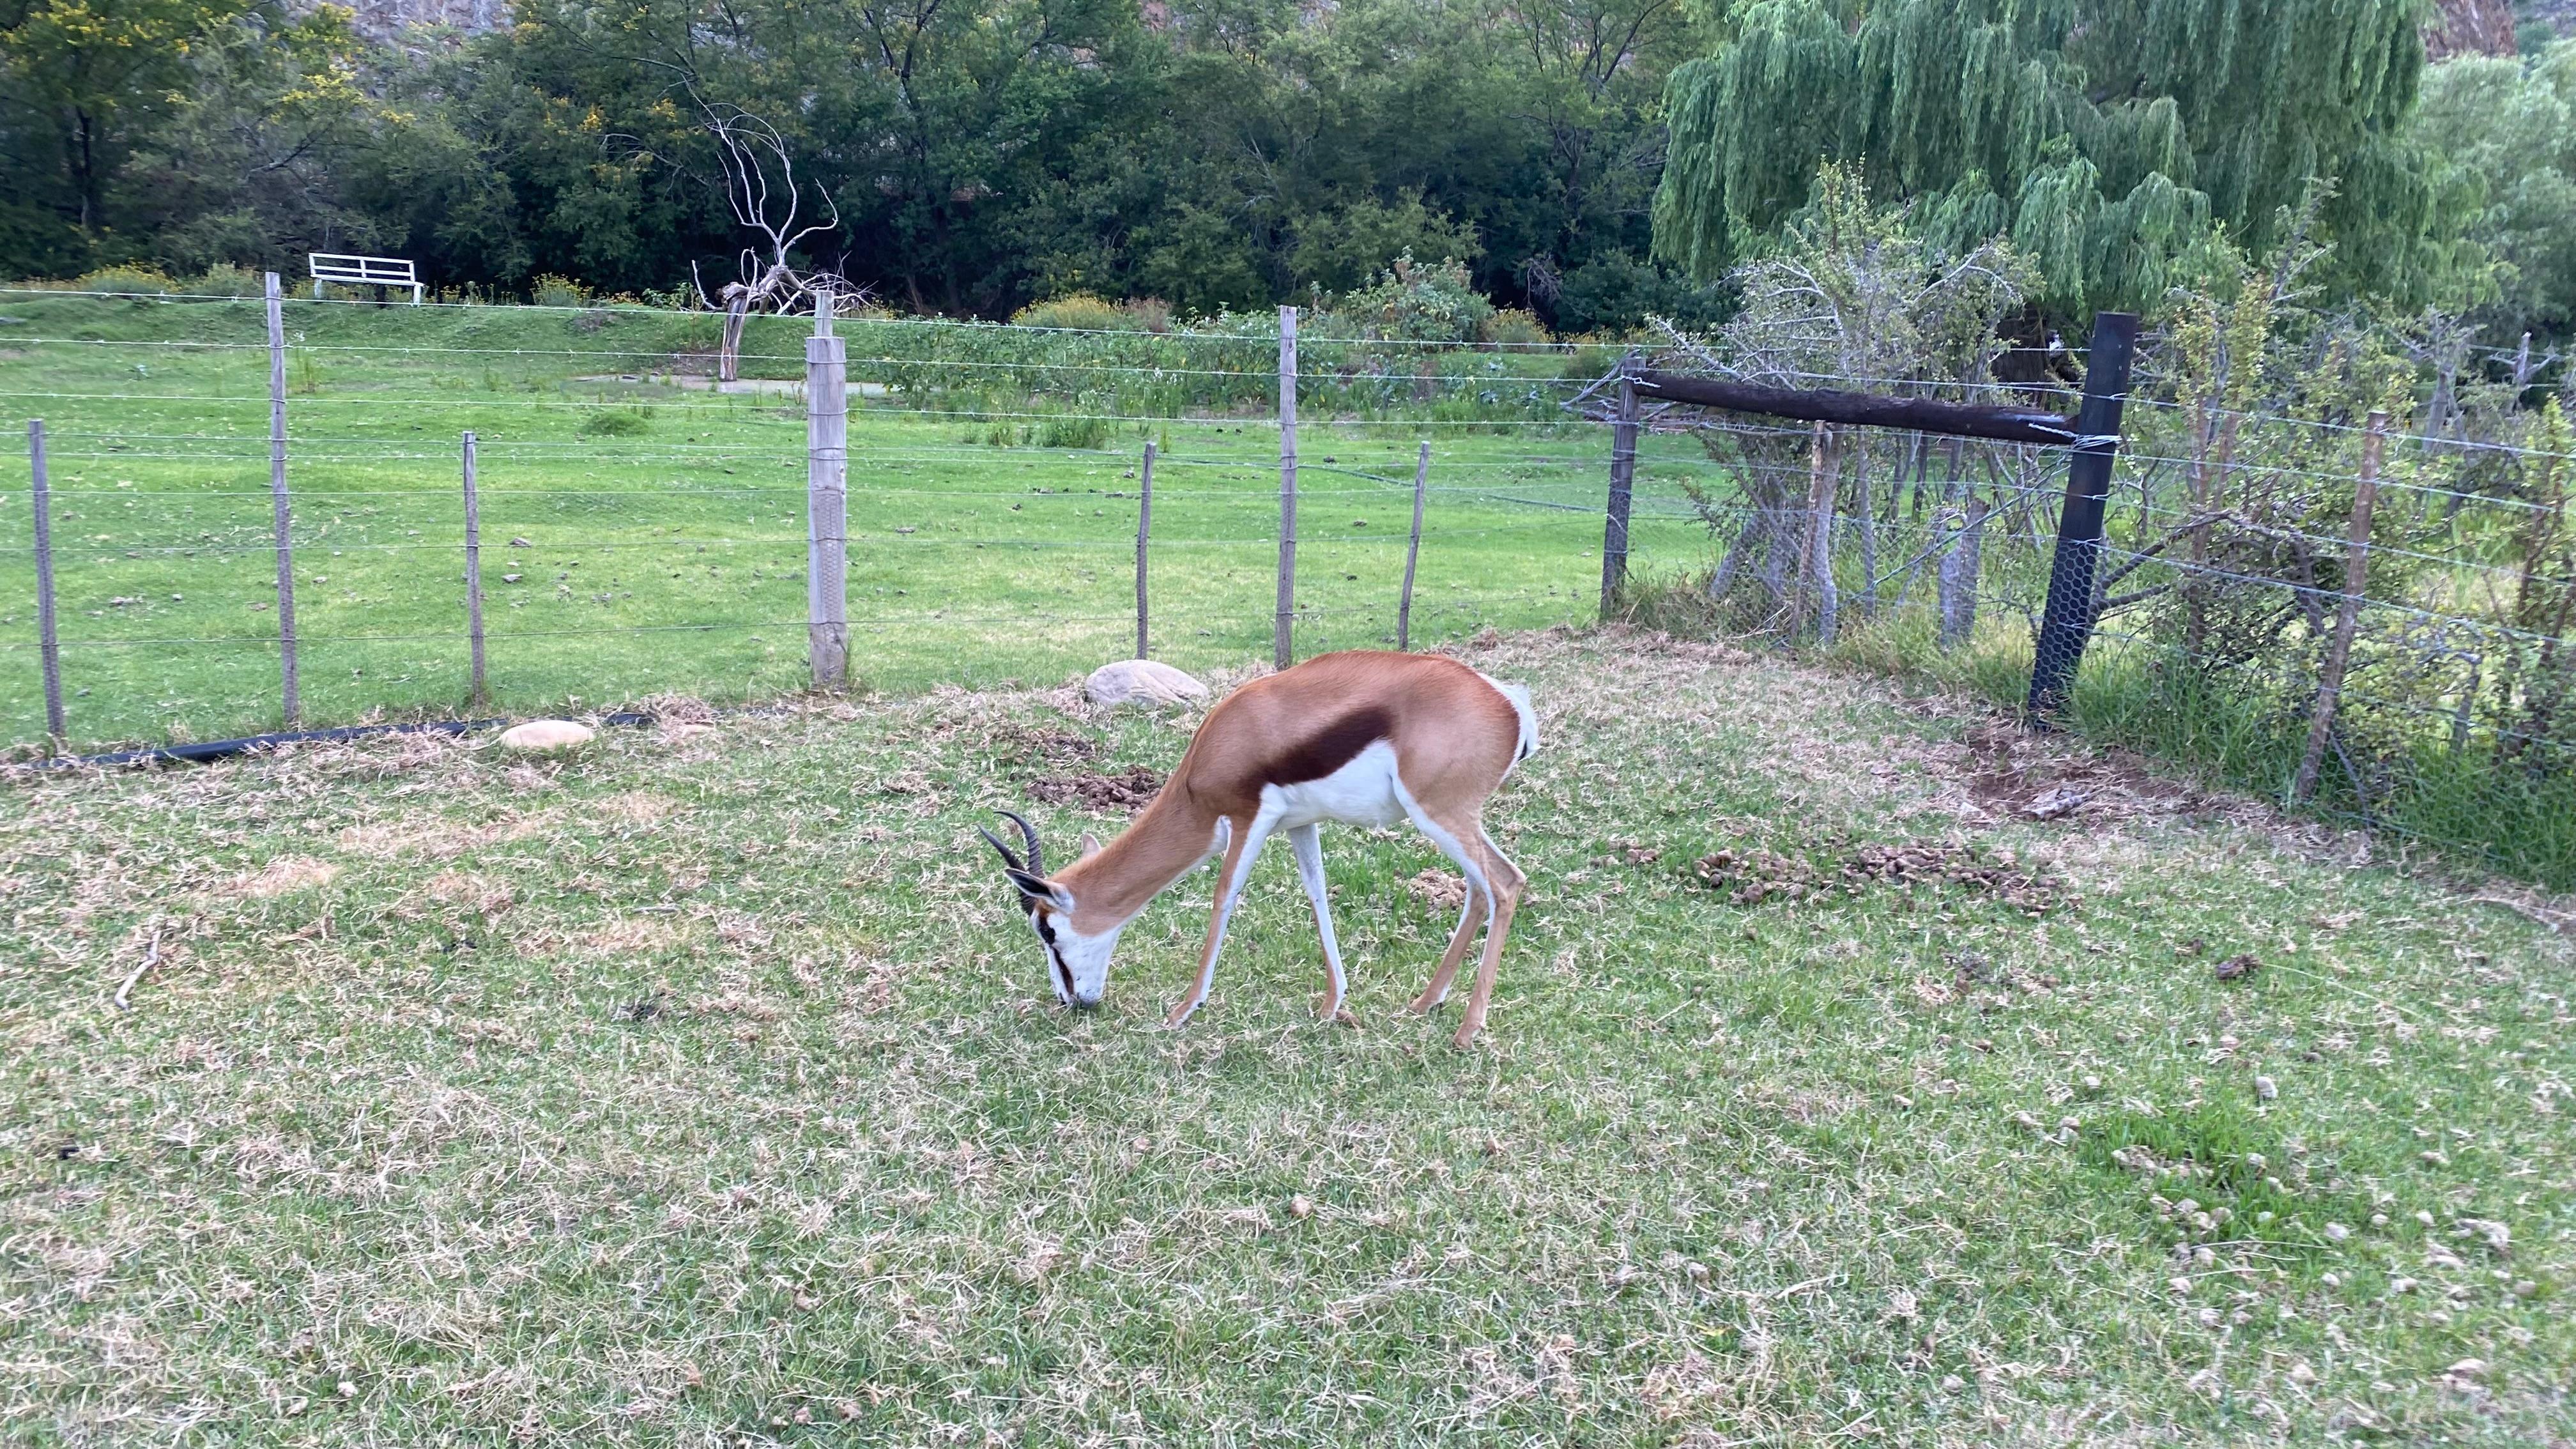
point(151, 958)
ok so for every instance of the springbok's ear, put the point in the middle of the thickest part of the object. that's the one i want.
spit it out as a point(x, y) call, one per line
point(1090, 845)
point(1040, 889)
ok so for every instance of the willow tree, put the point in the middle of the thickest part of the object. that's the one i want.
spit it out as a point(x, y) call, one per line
point(2106, 138)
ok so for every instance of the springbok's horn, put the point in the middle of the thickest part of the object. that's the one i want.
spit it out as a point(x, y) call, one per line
point(1029, 833)
point(1013, 861)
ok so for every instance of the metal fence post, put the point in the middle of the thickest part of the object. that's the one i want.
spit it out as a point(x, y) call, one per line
point(48, 652)
point(1623, 477)
point(827, 467)
point(1412, 549)
point(473, 577)
point(281, 515)
point(1144, 531)
point(1282, 645)
point(2068, 622)
point(2356, 578)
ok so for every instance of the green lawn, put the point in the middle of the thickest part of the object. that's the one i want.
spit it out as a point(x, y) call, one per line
point(621, 565)
point(704, 1088)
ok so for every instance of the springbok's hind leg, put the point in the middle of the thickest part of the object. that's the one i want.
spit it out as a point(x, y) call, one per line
point(1503, 882)
point(1306, 841)
point(1471, 914)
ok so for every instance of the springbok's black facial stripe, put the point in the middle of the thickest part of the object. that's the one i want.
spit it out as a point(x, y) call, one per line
point(1055, 958)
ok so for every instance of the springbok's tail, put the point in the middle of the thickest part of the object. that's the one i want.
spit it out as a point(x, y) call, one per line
point(1518, 694)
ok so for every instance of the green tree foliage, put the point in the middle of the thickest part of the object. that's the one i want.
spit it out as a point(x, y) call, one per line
point(2509, 128)
point(1214, 153)
point(175, 131)
point(2106, 140)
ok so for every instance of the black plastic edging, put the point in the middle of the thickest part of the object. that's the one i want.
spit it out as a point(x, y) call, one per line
point(226, 749)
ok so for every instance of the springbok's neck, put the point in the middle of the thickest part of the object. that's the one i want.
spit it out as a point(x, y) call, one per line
point(1163, 844)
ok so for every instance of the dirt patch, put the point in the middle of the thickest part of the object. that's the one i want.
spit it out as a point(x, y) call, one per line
point(1751, 877)
point(1443, 890)
point(283, 876)
point(1127, 791)
point(1999, 771)
point(1021, 748)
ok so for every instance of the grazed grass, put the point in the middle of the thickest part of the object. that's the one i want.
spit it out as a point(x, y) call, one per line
point(700, 1089)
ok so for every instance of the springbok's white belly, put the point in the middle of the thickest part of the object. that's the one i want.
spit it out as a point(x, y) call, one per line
point(1362, 792)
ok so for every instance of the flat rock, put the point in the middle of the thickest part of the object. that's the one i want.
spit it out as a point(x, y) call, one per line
point(546, 734)
point(1142, 681)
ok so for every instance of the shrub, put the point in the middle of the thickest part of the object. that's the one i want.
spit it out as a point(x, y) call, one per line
point(1146, 314)
point(551, 290)
point(1515, 326)
point(136, 281)
point(1411, 300)
point(223, 279)
point(1083, 432)
point(616, 422)
point(1077, 310)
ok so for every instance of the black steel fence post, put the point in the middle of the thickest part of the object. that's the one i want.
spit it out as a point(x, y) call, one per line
point(2069, 620)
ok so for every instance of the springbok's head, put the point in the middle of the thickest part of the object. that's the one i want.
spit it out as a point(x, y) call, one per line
point(1077, 964)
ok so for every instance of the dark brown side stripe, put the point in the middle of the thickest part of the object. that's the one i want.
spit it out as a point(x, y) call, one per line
point(1329, 748)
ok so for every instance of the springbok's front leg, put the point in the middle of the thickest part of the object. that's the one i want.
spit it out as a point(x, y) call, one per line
point(1305, 840)
point(1244, 844)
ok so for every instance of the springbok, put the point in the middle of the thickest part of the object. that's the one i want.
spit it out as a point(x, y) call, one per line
point(1365, 737)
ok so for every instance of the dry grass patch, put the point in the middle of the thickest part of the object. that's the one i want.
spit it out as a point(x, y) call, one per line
point(282, 876)
point(750, 1118)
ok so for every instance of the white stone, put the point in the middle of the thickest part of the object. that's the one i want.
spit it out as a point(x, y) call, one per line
point(1142, 681)
point(546, 734)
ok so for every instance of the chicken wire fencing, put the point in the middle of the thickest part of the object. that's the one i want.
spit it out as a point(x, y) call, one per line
point(641, 529)
point(2340, 616)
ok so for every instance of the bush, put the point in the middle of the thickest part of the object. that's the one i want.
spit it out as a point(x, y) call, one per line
point(134, 281)
point(1414, 301)
point(223, 279)
point(551, 290)
point(1076, 311)
point(1083, 432)
point(616, 422)
point(1146, 314)
point(1515, 326)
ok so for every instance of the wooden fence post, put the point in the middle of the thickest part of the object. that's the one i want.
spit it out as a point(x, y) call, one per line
point(1623, 481)
point(2356, 578)
point(1282, 642)
point(473, 578)
point(827, 469)
point(1412, 549)
point(281, 515)
point(1144, 531)
point(48, 652)
point(1816, 551)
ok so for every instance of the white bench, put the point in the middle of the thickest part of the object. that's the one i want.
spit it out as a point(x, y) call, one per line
point(357, 271)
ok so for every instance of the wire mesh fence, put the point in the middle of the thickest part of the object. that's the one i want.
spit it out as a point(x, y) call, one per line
point(645, 530)
point(2369, 625)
